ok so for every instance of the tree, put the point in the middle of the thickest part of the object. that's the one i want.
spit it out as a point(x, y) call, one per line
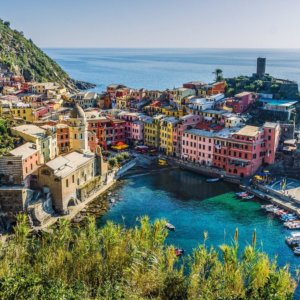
point(218, 75)
point(114, 262)
point(113, 162)
point(7, 23)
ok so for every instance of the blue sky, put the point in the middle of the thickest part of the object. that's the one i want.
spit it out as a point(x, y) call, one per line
point(157, 23)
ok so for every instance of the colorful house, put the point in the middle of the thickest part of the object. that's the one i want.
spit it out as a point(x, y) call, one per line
point(19, 164)
point(166, 134)
point(197, 146)
point(45, 140)
point(152, 131)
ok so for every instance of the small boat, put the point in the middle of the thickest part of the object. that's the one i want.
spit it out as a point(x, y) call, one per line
point(272, 209)
point(179, 251)
point(267, 206)
point(296, 251)
point(249, 197)
point(242, 194)
point(280, 212)
point(293, 239)
point(288, 217)
point(162, 162)
point(210, 180)
point(292, 224)
point(170, 226)
point(112, 200)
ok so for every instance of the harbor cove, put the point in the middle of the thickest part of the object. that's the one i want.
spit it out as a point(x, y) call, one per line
point(194, 206)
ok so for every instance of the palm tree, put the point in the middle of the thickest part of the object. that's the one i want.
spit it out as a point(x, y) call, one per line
point(218, 75)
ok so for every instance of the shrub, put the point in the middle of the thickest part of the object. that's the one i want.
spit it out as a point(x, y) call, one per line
point(118, 263)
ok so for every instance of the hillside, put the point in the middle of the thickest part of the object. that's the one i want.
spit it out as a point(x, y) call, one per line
point(23, 57)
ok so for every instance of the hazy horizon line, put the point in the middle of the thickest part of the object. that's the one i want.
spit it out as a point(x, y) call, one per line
point(169, 48)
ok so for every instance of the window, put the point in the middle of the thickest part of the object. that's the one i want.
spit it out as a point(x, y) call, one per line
point(73, 178)
point(10, 163)
point(67, 182)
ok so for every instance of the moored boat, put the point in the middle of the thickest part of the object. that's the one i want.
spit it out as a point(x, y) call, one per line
point(293, 239)
point(288, 217)
point(292, 224)
point(242, 194)
point(210, 180)
point(297, 251)
point(249, 197)
point(179, 251)
point(170, 226)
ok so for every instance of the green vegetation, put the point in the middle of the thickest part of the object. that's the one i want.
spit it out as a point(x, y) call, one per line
point(218, 75)
point(117, 159)
point(268, 85)
point(7, 142)
point(23, 57)
point(113, 162)
point(122, 156)
point(118, 263)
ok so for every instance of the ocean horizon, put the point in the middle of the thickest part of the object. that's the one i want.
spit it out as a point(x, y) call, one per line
point(162, 68)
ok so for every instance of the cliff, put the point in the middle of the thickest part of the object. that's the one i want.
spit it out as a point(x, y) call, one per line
point(22, 57)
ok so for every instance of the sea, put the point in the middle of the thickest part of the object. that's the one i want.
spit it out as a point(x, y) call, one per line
point(169, 68)
point(185, 199)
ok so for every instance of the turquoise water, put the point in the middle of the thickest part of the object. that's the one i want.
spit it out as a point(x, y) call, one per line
point(194, 206)
point(166, 68)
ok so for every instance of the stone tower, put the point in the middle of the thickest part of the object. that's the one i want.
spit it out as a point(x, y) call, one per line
point(80, 127)
point(261, 67)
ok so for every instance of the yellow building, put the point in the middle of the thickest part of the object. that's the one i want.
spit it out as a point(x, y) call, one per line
point(166, 134)
point(122, 102)
point(8, 90)
point(24, 112)
point(152, 131)
point(172, 112)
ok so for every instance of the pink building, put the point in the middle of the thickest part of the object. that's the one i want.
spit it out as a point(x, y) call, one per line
point(242, 101)
point(17, 166)
point(41, 111)
point(185, 122)
point(272, 136)
point(197, 146)
point(243, 152)
point(92, 141)
point(134, 127)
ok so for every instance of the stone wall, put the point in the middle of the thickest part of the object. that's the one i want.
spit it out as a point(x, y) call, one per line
point(11, 169)
point(13, 200)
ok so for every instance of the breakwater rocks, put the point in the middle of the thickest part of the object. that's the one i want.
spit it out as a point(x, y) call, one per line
point(100, 205)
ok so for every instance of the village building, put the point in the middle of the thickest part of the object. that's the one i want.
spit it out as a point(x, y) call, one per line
point(86, 99)
point(17, 166)
point(184, 123)
point(197, 146)
point(167, 125)
point(45, 140)
point(274, 110)
point(152, 131)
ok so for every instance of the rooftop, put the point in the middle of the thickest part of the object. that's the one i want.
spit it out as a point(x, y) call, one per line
point(64, 165)
point(275, 102)
point(25, 150)
point(32, 130)
point(242, 94)
point(200, 132)
point(248, 131)
point(271, 124)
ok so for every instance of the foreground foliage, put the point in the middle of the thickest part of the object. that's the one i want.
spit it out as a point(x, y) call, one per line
point(119, 263)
